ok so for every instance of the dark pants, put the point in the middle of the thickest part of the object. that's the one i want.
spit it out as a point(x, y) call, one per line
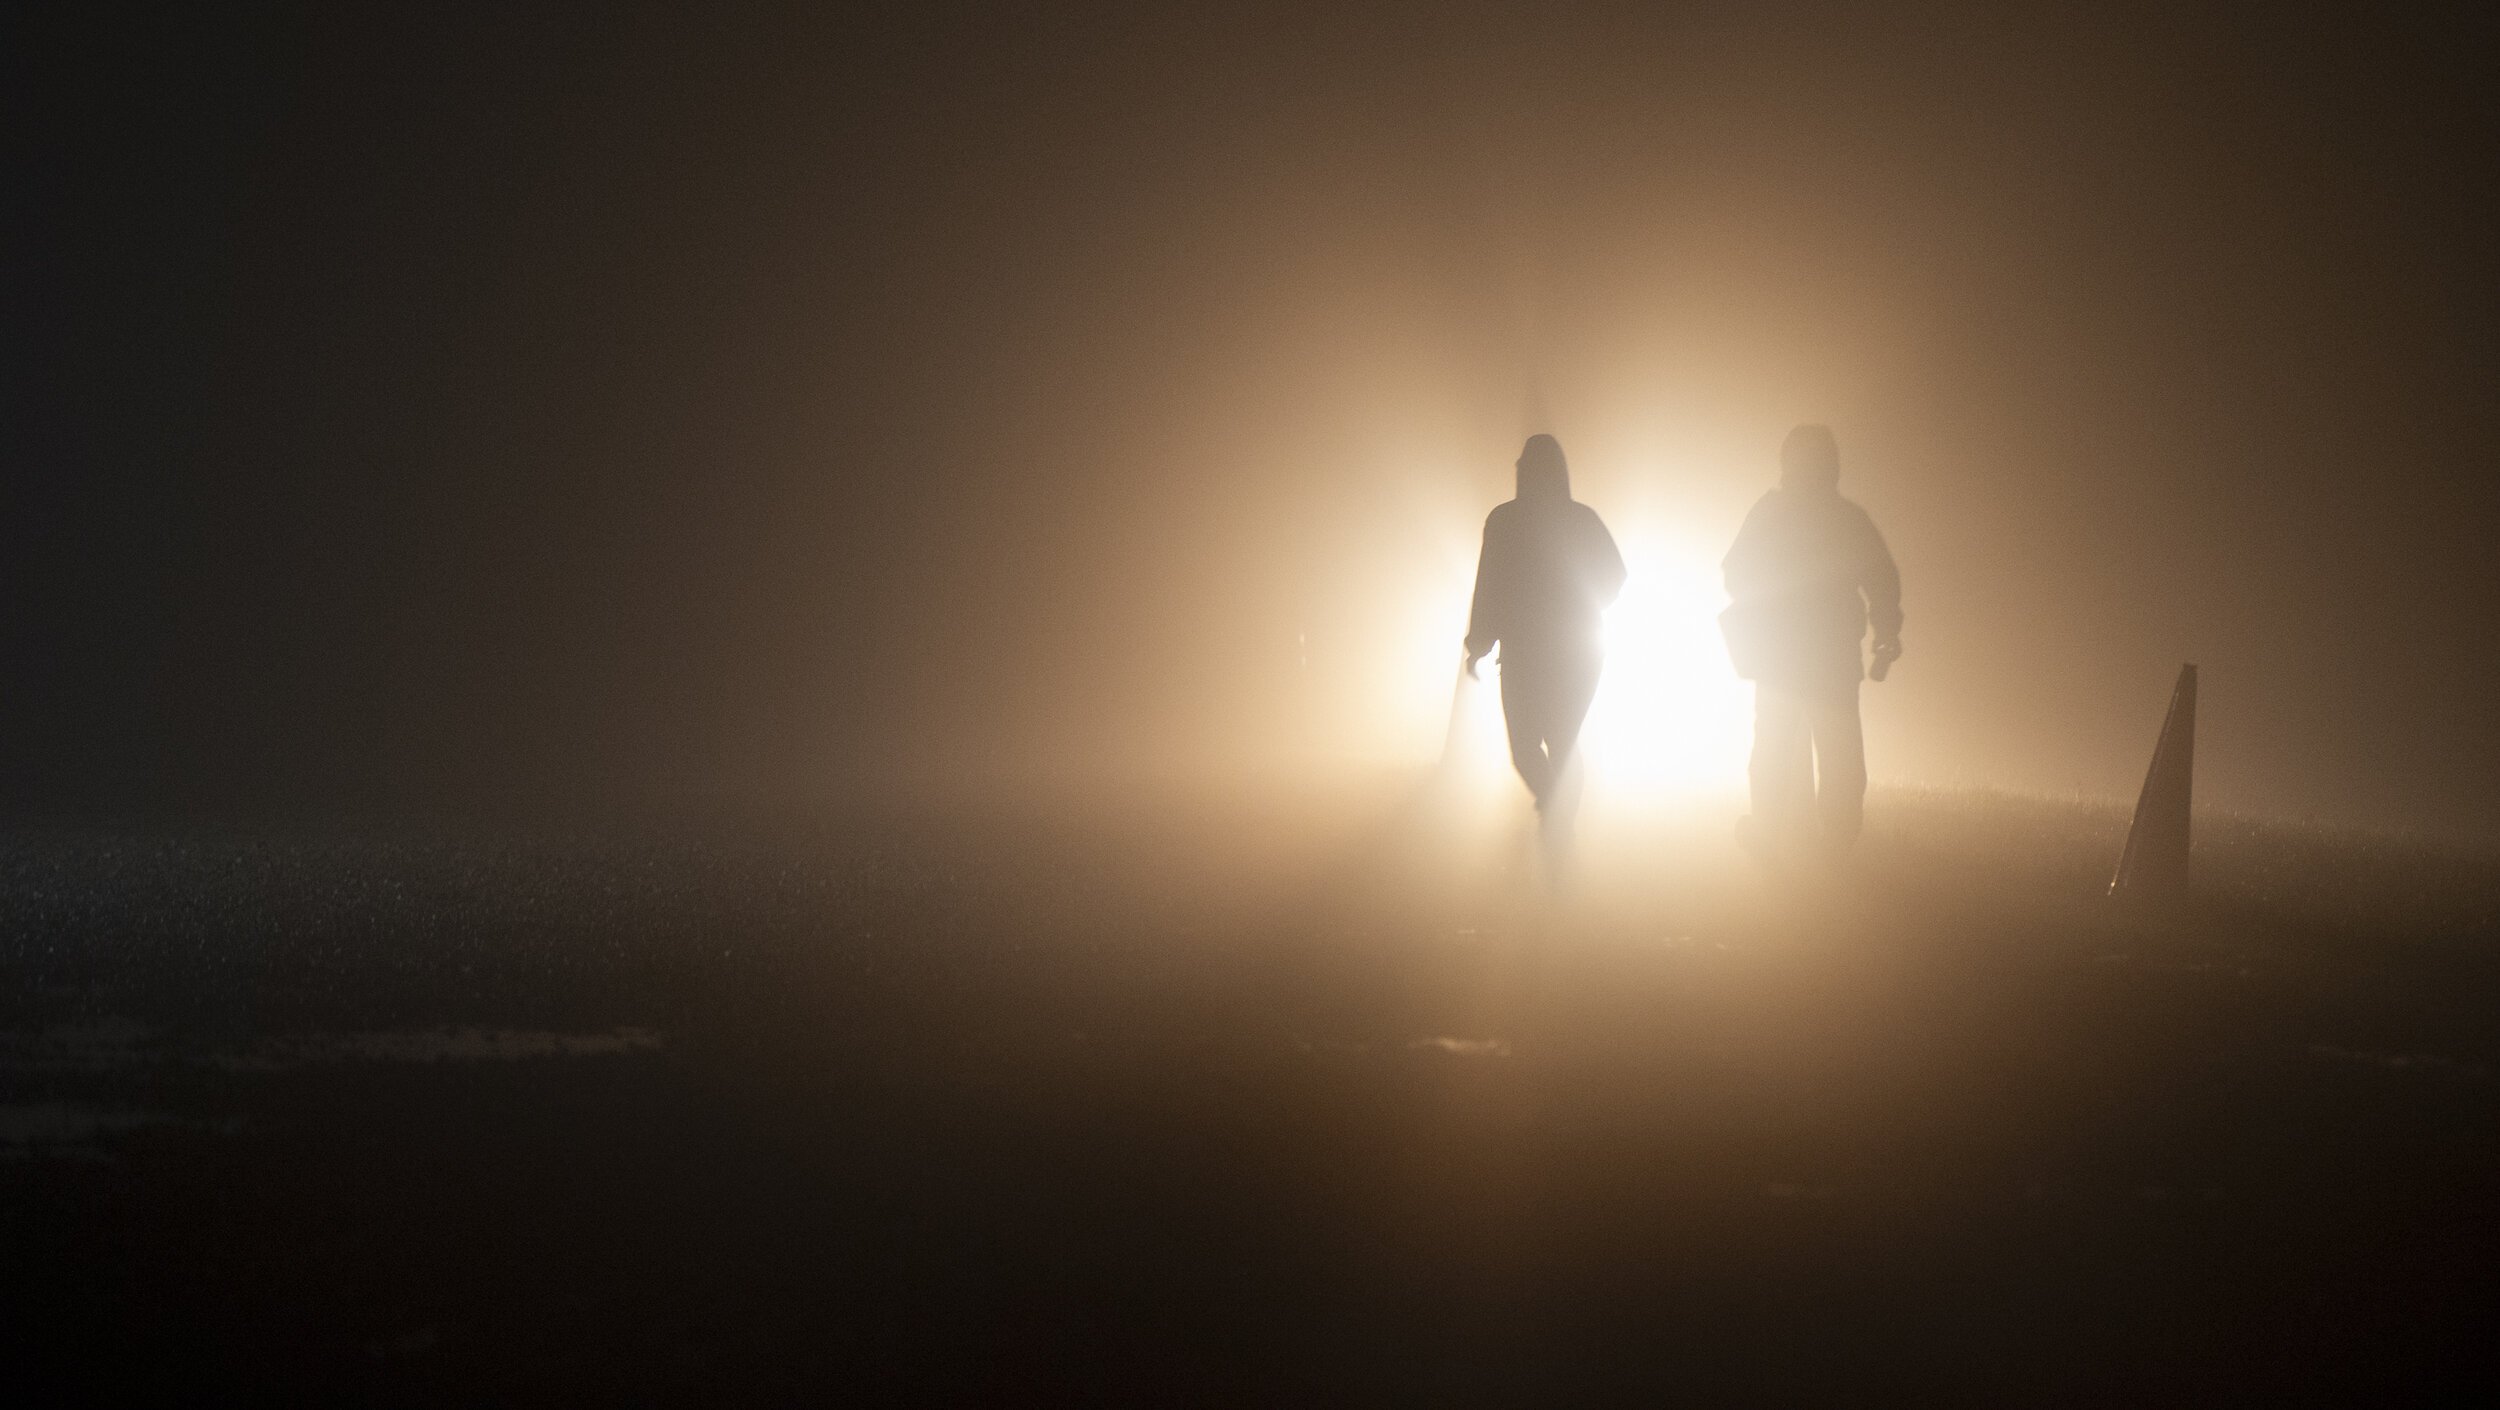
point(1809, 763)
point(1544, 699)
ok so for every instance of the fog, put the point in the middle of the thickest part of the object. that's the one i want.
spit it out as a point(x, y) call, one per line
point(571, 409)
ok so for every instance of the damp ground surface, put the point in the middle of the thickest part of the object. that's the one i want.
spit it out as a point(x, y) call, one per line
point(1352, 1100)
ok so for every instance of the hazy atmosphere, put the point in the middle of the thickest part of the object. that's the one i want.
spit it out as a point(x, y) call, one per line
point(558, 408)
point(1357, 705)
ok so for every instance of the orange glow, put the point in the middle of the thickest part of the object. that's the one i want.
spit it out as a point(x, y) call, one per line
point(1671, 722)
point(1671, 719)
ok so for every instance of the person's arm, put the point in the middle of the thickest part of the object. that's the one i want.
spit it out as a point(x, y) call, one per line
point(1605, 564)
point(1484, 613)
point(1880, 579)
point(1743, 570)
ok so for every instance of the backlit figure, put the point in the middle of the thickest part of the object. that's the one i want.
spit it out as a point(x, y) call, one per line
point(1548, 571)
point(1807, 575)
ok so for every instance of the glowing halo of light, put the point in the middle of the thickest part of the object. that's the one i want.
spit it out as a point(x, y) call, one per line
point(1671, 720)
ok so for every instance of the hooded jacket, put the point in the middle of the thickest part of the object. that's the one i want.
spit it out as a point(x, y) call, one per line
point(1548, 570)
point(1807, 573)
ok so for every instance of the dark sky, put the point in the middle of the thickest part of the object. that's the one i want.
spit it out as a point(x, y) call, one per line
point(409, 407)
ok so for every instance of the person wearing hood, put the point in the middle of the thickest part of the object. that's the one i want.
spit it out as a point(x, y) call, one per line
point(1807, 575)
point(1548, 571)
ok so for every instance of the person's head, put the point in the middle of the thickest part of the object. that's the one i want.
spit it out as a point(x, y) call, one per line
point(1543, 474)
point(1810, 460)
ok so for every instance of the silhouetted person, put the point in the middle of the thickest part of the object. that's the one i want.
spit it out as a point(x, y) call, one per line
point(1806, 576)
point(1549, 569)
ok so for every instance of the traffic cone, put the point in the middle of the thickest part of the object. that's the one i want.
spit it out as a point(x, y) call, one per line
point(2155, 862)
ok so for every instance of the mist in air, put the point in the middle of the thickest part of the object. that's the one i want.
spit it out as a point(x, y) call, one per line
point(559, 413)
point(846, 703)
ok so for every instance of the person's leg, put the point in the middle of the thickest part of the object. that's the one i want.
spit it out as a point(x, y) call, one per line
point(1524, 712)
point(1575, 686)
point(1840, 766)
point(1782, 770)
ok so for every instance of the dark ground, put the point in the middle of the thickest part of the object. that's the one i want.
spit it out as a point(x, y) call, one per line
point(1287, 1107)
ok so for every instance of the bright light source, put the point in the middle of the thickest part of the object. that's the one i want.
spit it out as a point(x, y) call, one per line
point(1671, 718)
point(1671, 721)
